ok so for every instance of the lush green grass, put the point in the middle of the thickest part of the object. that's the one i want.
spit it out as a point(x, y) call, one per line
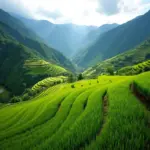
point(66, 117)
point(126, 126)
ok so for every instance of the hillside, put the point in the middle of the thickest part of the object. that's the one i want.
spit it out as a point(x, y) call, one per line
point(17, 25)
point(129, 58)
point(81, 116)
point(21, 67)
point(18, 31)
point(135, 69)
point(116, 41)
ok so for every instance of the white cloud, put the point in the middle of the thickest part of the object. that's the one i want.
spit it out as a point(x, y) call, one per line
point(89, 12)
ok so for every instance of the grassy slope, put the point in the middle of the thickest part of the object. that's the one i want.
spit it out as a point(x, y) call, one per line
point(70, 118)
point(135, 69)
point(129, 58)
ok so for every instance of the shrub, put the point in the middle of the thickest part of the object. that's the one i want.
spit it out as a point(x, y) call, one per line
point(71, 78)
point(16, 99)
point(80, 77)
point(26, 97)
point(110, 70)
point(72, 86)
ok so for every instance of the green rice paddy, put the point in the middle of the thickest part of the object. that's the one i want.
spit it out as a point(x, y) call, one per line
point(96, 114)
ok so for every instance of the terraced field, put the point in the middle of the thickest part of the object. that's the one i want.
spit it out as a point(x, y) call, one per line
point(48, 82)
point(105, 113)
point(135, 69)
point(41, 67)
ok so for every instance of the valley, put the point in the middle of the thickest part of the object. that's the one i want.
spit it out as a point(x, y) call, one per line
point(74, 87)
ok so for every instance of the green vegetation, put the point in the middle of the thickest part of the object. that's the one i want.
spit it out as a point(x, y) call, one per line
point(80, 77)
point(13, 28)
point(51, 81)
point(129, 58)
point(143, 85)
point(135, 69)
point(4, 95)
point(41, 67)
point(19, 63)
point(100, 113)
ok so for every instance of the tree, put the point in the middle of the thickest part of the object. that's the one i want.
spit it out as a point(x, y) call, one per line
point(110, 70)
point(80, 77)
point(16, 99)
point(70, 78)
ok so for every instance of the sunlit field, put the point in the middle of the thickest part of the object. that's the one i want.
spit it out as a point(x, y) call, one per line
point(94, 114)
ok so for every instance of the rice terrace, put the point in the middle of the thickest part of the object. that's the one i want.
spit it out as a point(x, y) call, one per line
point(75, 75)
point(103, 113)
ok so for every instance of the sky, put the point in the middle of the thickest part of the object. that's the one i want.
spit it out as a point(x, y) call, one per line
point(82, 12)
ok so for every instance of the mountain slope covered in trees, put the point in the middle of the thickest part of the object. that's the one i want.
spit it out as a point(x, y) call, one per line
point(21, 67)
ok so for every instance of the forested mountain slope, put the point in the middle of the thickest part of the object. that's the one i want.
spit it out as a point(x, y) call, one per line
point(21, 67)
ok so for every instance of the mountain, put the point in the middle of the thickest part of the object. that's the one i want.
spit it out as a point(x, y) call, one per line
point(16, 24)
point(18, 31)
point(129, 58)
point(116, 41)
point(94, 34)
point(21, 67)
point(92, 37)
point(41, 27)
point(67, 38)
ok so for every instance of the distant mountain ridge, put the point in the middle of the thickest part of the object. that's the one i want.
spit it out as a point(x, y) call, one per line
point(92, 37)
point(67, 38)
point(116, 41)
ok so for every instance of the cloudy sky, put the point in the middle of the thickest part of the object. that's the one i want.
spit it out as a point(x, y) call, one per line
point(86, 12)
